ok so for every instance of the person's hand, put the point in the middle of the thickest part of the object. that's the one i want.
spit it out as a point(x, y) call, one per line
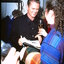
point(39, 38)
point(12, 57)
point(42, 32)
point(20, 42)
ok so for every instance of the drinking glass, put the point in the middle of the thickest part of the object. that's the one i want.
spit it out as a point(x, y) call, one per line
point(40, 24)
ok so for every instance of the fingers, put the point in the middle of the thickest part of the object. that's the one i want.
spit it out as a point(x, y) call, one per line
point(11, 53)
point(18, 62)
point(12, 57)
point(41, 30)
point(16, 56)
point(20, 42)
point(36, 36)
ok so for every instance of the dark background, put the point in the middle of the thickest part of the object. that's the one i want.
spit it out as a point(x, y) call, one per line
point(10, 0)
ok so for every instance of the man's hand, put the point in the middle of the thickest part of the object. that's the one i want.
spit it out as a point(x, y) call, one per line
point(20, 42)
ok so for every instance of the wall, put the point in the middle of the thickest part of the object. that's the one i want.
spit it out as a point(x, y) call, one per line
point(7, 8)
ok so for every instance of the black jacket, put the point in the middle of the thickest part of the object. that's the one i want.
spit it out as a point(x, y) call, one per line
point(25, 27)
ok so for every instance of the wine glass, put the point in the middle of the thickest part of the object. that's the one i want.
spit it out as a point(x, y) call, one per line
point(40, 24)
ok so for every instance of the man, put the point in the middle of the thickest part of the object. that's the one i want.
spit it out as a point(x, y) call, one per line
point(26, 25)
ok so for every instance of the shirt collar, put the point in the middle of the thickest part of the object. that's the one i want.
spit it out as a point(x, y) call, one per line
point(28, 20)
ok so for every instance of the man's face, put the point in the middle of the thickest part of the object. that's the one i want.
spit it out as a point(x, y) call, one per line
point(33, 9)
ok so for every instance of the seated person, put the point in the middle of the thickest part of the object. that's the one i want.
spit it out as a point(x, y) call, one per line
point(27, 26)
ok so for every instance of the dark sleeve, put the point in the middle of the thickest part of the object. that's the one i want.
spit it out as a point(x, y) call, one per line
point(14, 36)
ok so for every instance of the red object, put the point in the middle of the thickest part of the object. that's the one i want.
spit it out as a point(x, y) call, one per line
point(48, 26)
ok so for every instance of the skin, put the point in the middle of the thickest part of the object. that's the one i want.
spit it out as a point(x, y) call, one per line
point(50, 17)
point(32, 11)
point(12, 58)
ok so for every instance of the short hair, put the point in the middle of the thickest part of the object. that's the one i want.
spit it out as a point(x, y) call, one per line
point(29, 1)
point(58, 7)
point(17, 13)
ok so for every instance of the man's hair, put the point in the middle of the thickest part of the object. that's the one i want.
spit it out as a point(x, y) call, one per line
point(58, 7)
point(29, 1)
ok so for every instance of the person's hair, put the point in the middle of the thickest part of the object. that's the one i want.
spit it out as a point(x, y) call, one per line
point(16, 13)
point(29, 1)
point(58, 7)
